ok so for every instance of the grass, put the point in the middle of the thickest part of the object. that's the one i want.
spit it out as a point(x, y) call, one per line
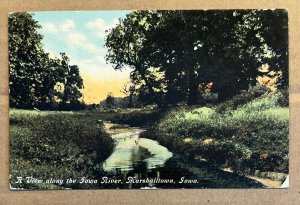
point(243, 135)
point(249, 137)
point(56, 145)
point(132, 116)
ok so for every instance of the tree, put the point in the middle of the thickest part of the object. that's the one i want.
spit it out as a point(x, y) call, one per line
point(125, 45)
point(129, 89)
point(27, 63)
point(223, 47)
point(274, 31)
point(110, 100)
point(194, 48)
point(33, 75)
point(71, 80)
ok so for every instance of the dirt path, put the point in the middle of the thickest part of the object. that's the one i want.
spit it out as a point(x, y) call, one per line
point(267, 182)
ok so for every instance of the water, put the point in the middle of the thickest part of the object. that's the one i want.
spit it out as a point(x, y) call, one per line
point(144, 163)
point(130, 151)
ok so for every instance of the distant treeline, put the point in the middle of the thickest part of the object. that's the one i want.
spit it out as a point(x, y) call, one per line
point(112, 102)
point(35, 79)
point(176, 55)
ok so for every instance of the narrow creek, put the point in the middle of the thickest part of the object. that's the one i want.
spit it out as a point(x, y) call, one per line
point(143, 163)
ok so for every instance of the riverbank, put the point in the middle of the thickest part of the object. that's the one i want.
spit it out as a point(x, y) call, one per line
point(140, 157)
point(251, 137)
point(269, 183)
point(115, 129)
point(57, 145)
point(135, 117)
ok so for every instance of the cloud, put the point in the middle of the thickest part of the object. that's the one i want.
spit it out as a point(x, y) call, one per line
point(75, 39)
point(97, 23)
point(92, 48)
point(50, 27)
point(50, 52)
point(95, 68)
point(67, 25)
point(85, 51)
point(64, 26)
point(100, 26)
point(79, 42)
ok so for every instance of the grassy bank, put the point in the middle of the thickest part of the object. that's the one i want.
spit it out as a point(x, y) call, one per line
point(132, 116)
point(57, 145)
point(245, 138)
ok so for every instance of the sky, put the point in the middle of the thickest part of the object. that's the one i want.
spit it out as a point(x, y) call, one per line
point(81, 34)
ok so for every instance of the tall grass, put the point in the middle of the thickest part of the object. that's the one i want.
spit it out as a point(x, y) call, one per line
point(56, 145)
point(245, 138)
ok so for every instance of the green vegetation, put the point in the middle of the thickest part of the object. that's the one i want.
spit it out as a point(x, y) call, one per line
point(173, 53)
point(35, 79)
point(58, 145)
point(133, 116)
point(179, 60)
point(253, 136)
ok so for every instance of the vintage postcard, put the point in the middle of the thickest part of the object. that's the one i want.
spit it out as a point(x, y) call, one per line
point(149, 99)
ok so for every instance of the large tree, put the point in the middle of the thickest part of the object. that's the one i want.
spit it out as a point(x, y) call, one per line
point(71, 80)
point(223, 47)
point(33, 75)
point(126, 48)
point(27, 60)
point(193, 48)
point(273, 28)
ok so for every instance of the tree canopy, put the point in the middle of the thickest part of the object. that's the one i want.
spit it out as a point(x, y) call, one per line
point(173, 53)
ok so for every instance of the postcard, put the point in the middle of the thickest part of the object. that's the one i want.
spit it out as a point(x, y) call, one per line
point(149, 99)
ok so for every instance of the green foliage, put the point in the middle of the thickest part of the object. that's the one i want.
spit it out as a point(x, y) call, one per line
point(133, 116)
point(57, 145)
point(284, 99)
point(126, 47)
point(26, 61)
point(252, 136)
point(243, 98)
point(191, 48)
point(71, 81)
point(33, 75)
point(274, 29)
point(110, 101)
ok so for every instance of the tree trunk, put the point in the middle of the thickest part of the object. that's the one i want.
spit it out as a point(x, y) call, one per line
point(150, 88)
point(192, 88)
point(193, 95)
point(130, 104)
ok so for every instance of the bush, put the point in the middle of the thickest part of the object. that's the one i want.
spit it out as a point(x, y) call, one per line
point(284, 97)
point(230, 138)
point(243, 98)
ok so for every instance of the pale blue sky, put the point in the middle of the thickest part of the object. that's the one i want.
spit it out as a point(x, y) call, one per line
point(80, 34)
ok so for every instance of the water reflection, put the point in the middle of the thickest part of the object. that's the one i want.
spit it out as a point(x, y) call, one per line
point(131, 151)
point(143, 163)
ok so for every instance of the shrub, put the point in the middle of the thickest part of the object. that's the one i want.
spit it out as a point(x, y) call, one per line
point(243, 98)
point(230, 138)
point(284, 97)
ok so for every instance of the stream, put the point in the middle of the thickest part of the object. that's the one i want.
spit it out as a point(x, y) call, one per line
point(142, 163)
